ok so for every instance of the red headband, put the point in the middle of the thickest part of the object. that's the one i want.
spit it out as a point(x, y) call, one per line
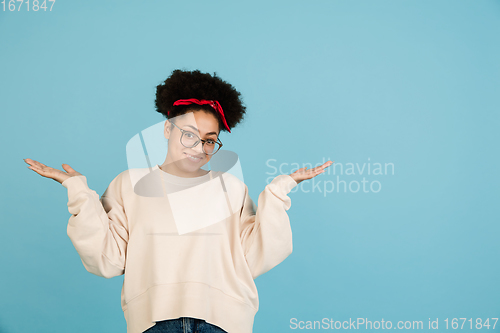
point(213, 103)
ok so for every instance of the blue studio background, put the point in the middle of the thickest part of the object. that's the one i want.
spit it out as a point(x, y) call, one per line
point(409, 89)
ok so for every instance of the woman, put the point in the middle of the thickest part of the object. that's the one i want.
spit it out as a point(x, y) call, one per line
point(189, 261)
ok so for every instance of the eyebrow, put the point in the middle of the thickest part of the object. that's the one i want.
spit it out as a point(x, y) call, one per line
point(199, 131)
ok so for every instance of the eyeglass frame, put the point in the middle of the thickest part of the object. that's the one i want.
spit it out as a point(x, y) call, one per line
point(197, 142)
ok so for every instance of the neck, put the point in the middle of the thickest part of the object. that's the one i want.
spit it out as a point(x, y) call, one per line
point(176, 172)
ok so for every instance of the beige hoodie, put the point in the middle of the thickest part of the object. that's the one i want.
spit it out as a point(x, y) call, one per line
point(189, 247)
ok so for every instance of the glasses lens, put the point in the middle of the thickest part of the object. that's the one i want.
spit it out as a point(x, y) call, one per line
point(211, 147)
point(188, 139)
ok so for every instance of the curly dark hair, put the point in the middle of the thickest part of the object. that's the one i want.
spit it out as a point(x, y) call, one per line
point(194, 84)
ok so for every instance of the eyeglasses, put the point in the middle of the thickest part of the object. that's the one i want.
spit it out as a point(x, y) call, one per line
point(190, 140)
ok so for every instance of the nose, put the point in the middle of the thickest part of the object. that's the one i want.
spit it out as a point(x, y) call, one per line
point(199, 149)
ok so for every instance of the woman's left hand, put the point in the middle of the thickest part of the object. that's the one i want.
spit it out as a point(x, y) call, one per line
point(303, 174)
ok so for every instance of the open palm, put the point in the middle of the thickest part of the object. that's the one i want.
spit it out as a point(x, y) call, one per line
point(303, 174)
point(46, 171)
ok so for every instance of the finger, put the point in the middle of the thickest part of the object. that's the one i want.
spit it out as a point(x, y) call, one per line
point(67, 168)
point(29, 161)
point(57, 175)
point(312, 172)
point(324, 165)
point(44, 168)
point(42, 172)
point(34, 167)
point(318, 168)
point(38, 164)
point(316, 171)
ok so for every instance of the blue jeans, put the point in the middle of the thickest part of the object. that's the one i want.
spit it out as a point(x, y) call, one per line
point(184, 325)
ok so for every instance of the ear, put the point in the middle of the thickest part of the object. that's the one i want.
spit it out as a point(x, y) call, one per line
point(166, 130)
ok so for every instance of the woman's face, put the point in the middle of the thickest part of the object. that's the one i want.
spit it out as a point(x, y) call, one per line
point(186, 162)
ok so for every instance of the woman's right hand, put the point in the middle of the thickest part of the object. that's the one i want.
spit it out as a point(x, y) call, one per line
point(48, 172)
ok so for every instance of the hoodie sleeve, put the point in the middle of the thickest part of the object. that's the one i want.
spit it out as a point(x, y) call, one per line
point(98, 228)
point(266, 234)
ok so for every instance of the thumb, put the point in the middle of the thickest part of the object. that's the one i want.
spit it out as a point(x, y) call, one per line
point(67, 168)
